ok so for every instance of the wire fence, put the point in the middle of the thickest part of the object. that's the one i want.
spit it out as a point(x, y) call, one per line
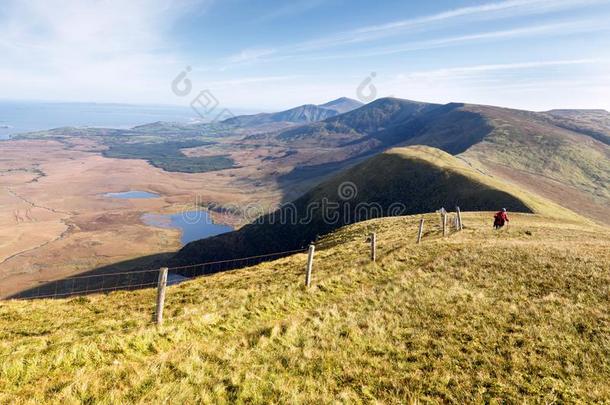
point(91, 284)
point(82, 285)
point(139, 279)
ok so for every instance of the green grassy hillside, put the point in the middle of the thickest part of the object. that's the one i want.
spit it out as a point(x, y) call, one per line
point(519, 315)
point(455, 183)
point(562, 155)
point(568, 167)
point(398, 182)
point(595, 123)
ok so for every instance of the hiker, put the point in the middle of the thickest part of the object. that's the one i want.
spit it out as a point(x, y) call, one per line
point(500, 219)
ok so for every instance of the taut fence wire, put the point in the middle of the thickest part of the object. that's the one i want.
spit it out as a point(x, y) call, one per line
point(139, 279)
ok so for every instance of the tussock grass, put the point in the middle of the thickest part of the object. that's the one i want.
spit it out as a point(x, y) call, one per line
point(483, 316)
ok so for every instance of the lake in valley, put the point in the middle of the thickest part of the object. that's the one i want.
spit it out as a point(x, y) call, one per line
point(194, 225)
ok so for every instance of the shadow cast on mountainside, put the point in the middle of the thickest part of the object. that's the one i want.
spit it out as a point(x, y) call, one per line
point(407, 181)
point(133, 274)
point(448, 127)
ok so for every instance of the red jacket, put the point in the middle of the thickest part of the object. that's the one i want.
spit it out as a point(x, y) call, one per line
point(501, 217)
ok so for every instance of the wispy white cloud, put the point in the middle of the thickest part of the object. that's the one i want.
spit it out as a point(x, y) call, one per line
point(491, 11)
point(554, 29)
point(503, 9)
point(464, 71)
point(564, 28)
point(114, 50)
point(111, 50)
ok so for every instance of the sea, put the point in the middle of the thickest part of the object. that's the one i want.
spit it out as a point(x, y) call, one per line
point(27, 116)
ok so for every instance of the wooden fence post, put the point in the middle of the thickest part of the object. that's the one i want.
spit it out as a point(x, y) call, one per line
point(459, 216)
point(161, 295)
point(373, 246)
point(421, 230)
point(444, 221)
point(312, 249)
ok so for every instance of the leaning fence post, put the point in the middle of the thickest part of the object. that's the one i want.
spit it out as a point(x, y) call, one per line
point(161, 295)
point(374, 246)
point(312, 249)
point(421, 230)
point(459, 216)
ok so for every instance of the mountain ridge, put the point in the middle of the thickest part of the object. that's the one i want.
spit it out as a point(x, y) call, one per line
point(570, 156)
point(401, 181)
point(342, 104)
point(302, 114)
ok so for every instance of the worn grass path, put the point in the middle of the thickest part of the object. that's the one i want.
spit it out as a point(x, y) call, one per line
point(480, 316)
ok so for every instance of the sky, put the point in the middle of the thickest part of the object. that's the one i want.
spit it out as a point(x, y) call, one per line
point(264, 55)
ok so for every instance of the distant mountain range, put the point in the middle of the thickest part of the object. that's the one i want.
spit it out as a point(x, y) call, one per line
point(562, 155)
point(302, 114)
point(342, 105)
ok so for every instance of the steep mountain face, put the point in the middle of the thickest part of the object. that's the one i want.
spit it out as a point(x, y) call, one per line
point(299, 115)
point(563, 155)
point(381, 120)
point(339, 142)
point(386, 123)
point(399, 182)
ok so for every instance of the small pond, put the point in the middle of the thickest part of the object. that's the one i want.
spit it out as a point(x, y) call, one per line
point(194, 225)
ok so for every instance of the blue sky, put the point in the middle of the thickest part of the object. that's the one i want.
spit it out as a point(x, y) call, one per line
point(268, 55)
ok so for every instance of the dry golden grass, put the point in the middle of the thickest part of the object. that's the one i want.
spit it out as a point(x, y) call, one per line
point(518, 315)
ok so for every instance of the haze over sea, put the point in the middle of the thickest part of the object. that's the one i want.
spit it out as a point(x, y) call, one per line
point(27, 116)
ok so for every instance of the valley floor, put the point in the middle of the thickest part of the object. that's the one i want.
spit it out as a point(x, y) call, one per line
point(515, 315)
point(55, 220)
